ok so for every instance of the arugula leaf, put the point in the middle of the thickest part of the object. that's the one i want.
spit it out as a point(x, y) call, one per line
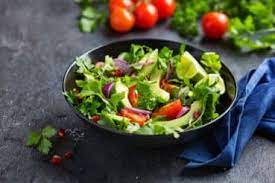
point(146, 99)
point(115, 99)
point(48, 132)
point(164, 57)
point(33, 138)
point(136, 53)
point(44, 146)
point(71, 96)
point(211, 62)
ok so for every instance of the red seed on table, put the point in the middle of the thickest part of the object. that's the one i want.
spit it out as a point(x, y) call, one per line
point(196, 114)
point(61, 132)
point(56, 160)
point(68, 155)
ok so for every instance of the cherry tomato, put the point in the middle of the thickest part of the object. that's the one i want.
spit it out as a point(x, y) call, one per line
point(167, 87)
point(128, 4)
point(146, 15)
point(165, 8)
point(170, 110)
point(134, 117)
point(95, 118)
point(133, 96)
point(214, 25)
point(122, 20)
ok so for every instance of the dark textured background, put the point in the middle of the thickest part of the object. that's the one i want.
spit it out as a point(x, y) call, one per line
point(38, 40)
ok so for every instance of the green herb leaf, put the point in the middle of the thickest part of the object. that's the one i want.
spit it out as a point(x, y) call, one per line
point(211, 62)
point(44, 146)
point(48, 132)
point(164, 57)
point(146, 100)
point(33, 138)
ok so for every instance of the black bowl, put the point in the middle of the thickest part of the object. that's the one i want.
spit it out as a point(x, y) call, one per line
point(113, 49)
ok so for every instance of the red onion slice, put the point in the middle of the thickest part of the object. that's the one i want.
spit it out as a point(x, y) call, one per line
point(183, 111)
point(122, 65)
point(169, 71)
point(107, 89)
point(140, 111)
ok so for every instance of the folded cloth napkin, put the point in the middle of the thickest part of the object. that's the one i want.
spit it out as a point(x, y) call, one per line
point(253, 110)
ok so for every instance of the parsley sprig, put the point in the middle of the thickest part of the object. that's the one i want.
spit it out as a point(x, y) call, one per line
point(91, 15)
point(41, 140)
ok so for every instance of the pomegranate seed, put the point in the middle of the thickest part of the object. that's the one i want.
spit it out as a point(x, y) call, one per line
point(196, 114)
point(61, 132)
point(56, 160)
point(95, 118)
point(68, 155)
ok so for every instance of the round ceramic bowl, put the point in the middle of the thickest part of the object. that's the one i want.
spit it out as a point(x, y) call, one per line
point(113, 49)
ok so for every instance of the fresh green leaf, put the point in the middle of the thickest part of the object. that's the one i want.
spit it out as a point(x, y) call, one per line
point(146, 99)
point(48, 132)
point(164, 57)
point(44, 146)
point(211, 62)
point(33, 138)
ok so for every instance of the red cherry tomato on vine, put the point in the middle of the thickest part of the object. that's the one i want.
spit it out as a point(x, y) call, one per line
point(128, 4)
point(146, 15)
point(122, 20)
point(165, 8)
point(214, 25)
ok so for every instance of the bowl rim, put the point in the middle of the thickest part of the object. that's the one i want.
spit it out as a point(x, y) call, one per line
point(68, 69)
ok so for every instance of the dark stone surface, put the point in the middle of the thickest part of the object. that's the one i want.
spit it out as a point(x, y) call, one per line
point(38, 40)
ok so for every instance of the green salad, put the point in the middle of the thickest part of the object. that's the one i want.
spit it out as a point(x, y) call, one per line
point(149, 91)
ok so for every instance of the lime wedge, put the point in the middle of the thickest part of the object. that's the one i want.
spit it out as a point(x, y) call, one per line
point(189, 68)
point(216, 78)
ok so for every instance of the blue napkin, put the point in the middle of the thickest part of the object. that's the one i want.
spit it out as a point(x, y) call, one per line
point(253, 110)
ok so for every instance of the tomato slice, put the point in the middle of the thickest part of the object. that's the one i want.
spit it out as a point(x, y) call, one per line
point(170, 110)
point(134, 117)
point(133, 96)
point(167, 87)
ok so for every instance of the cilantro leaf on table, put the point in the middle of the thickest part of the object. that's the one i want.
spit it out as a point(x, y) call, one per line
point(33, 138)
point(41, 140)
point(48, 132)
point(44, 146)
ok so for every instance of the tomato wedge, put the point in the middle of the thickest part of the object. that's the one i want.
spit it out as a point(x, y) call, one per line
point(134, 117)
point(167, 87)
point(133, 96)
point(170, 110)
